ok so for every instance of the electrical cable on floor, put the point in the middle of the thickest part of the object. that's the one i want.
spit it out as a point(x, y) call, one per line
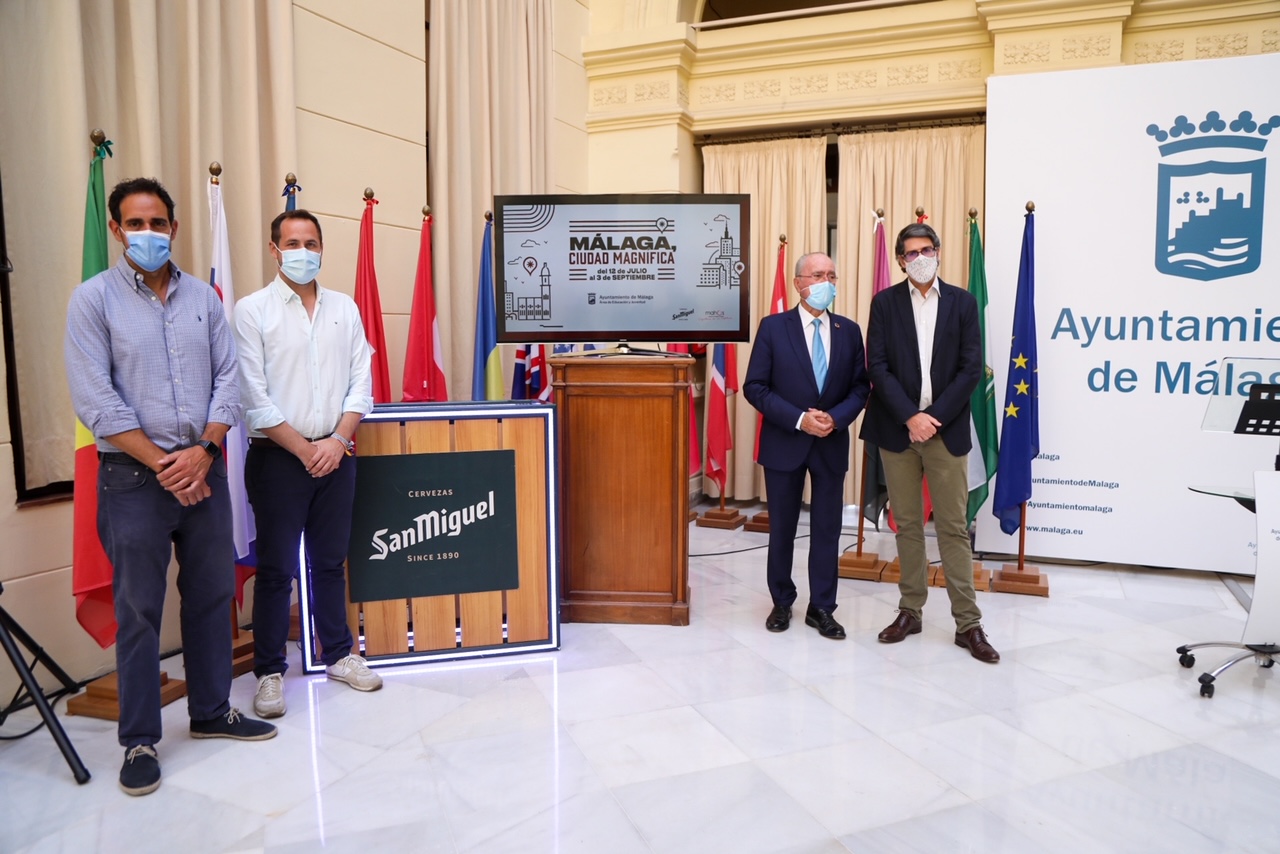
point(53, 702)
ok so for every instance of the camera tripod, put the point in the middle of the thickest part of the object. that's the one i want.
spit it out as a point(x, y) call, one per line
point(10, 634)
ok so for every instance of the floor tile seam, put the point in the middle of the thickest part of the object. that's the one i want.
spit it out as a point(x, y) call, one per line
point(1088, 766)
point(613, 791)
point(1075, 766)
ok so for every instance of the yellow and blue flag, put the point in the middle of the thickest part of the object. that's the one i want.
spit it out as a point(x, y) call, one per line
point(1020, 429)
point(486, 369)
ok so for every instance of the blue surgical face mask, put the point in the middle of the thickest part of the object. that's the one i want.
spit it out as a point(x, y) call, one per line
point(821, 295)
point(300, 266)
point(148, 249)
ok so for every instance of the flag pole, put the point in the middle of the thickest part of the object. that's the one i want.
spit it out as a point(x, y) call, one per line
point(241, 642)
point(862, 500)
point(1021, 578)
point(759, 523)
point(867, 567)
point(1022, 540)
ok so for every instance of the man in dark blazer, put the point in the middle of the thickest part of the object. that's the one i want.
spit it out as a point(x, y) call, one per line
point(807, 377)
point(924, 355)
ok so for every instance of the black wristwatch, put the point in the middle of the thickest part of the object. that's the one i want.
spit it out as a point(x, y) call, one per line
point(213, 449)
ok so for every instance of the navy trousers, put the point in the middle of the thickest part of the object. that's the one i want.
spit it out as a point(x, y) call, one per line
point(785, 490)
point(288, 502)
point(140, 524)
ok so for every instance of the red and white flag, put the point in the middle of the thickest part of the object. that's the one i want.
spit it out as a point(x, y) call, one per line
point(371, 306)
point(236, 444)
point(724, 382)
point(777, 305)
point(424, 378)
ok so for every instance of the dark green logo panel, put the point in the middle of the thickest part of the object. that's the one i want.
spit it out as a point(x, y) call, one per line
point(434, 524)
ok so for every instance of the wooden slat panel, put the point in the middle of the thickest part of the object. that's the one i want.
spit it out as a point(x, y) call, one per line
point(386, 626)
point(527, 605)
point(435, 618)
point(481, 613)
point(386, 623)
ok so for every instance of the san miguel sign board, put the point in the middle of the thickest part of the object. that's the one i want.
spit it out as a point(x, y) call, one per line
point(434, 524)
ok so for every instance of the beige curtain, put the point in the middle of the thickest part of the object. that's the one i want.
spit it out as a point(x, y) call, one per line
point(175, 85)
point(489, 107)
point(787, 184)
point(939, 169)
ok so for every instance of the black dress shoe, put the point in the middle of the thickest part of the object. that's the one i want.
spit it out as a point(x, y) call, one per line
point(904, 624)
point(824, 623)
point(779, 619)
point(975, 640)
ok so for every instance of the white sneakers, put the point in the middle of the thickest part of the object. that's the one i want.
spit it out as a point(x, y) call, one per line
point(269, 701)
point(355, 673)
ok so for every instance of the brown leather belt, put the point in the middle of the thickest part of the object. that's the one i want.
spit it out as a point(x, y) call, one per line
point(264, 442)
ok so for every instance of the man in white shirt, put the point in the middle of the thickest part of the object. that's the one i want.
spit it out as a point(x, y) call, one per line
point(305, 382)
point(924, 355)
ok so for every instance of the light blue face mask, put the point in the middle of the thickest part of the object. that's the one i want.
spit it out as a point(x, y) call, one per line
point(300, 266)
point(148, 249)
point(821, 295)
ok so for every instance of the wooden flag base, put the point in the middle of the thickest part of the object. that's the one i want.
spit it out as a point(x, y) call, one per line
point(727, 519)
point(693, 515)
point(1026, 580)
point(892, 573)
point(866, 566)
point(981, 577)
point(758, 523)
point(101, 697)
point(241, 653)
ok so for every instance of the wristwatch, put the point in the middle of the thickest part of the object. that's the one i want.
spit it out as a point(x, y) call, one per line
point(213, 449)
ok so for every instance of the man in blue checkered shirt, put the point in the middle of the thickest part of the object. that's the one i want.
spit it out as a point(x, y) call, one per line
point(152, 368)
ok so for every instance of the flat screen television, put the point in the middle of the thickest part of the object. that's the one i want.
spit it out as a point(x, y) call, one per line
point(626, 268)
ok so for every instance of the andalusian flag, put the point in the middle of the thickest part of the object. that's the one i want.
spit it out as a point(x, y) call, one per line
point(982, 403)
point(90, 569)
point(486, 368)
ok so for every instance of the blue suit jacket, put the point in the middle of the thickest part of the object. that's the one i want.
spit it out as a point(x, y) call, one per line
point(893, 361)
point(780, 384)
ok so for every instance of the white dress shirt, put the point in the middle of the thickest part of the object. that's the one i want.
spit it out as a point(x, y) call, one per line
point(824, 329)
point(306, 371)
point(925, 308)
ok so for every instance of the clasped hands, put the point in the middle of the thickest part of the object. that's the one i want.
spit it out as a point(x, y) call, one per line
point(183, 473)
point(922, 427)
point(817, 423)
point(322, 456)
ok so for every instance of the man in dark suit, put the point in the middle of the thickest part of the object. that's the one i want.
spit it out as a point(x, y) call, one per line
point(808, 378)
point(924, 355)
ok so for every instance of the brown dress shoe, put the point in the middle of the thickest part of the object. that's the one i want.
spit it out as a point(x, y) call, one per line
point(904, 624)
point(975, 640)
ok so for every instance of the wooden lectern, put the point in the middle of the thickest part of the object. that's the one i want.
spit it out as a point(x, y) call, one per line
point(624, 475)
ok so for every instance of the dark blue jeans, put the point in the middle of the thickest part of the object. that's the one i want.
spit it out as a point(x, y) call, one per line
point(287, 501)
point(139, 523)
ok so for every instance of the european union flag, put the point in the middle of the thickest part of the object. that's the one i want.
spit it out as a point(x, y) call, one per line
point(1020, 429)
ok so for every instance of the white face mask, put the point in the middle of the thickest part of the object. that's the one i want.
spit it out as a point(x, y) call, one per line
point(922, 269)
point(300, 266)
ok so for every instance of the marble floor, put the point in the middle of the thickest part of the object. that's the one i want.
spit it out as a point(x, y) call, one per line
point(722, 737)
